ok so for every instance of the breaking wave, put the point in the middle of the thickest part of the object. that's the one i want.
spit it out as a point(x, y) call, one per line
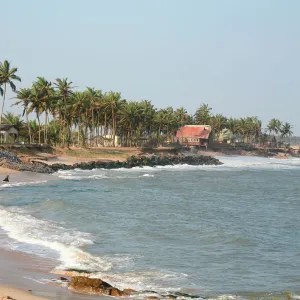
point(66, 242)
point(229, 163)
point(11, 185)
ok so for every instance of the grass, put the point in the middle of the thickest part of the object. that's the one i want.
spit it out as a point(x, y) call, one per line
point(100, 153)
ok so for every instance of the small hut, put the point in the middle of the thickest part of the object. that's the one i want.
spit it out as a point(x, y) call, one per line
point(8, 132)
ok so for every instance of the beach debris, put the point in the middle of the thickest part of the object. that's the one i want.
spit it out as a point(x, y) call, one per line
point(7, 298)
point(62, 279)
point(6, 179)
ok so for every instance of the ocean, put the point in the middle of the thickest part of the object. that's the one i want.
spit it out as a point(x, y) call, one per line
point(200, 230)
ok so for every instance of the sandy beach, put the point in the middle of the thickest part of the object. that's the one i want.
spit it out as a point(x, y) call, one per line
point(7, 292)
point(28, 277)
point(5, 171)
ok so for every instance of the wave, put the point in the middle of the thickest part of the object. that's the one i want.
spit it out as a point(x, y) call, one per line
point(229, 164)
point(67, 243)
point(49, 234)
point(250, 162)
point(10, 185)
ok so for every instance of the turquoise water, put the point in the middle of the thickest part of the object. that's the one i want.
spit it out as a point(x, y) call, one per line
point(205, 230)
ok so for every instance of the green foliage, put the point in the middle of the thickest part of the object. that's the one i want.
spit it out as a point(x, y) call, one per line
point(16, 120)
point(7, 76)
point(64, 116)
point(203, 115)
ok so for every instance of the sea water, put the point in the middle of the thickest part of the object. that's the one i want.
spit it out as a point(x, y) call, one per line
point(202, 230)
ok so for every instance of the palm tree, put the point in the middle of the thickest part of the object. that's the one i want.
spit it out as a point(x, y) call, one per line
point(94, 97)
point(36, 105)
point(218, 123)
point(64, 89)
point(78, 106)
point(274, 127)
point(47, 93)
point(15, 120)
point(34, 129)
point(7, 76)
point(181, 115)
point(203, 114)
point(115, 103)
point(24, 96)
point(286, 130)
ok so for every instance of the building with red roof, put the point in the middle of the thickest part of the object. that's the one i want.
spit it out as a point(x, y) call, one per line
point(194, 135)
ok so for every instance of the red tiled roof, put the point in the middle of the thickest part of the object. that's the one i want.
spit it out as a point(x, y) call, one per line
point(198, 131)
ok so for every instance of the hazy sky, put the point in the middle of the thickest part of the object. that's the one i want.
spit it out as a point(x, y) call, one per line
point(241, 57)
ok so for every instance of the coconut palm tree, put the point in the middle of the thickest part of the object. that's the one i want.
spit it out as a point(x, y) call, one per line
point(218, 123)
point(47, 92)
point(203, 114)
point(13, 119)
point(181, 116)
point(286, 130)
point(114, 101)
point(36, 105)
point(7, 76)
point(64, 90)
point(94, 97)
point(24, 96)
point(34, 129)
point(274, 128)
point(79, 105)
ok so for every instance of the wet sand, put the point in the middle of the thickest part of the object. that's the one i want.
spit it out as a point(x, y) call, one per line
point(5, 171)
point(24, 276)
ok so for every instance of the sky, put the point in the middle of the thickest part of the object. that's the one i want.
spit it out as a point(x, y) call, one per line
point(241, 57)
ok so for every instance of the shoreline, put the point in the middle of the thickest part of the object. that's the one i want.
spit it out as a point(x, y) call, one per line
point(51, 159)
point(20, 265)
point(28, 276)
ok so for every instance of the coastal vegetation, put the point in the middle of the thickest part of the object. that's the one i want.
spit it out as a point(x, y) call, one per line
point(57, 113)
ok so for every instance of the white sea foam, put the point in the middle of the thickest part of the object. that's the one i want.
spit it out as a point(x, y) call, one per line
point(10, 185)
point(250, 162)
point(28, 229)
point(229, 163)
point(143, 280)
point(147, 175)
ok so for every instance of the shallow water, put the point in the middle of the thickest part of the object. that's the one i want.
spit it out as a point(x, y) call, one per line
point(206, 230)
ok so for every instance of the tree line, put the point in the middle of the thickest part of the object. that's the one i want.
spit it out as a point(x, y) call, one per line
point(64, 116)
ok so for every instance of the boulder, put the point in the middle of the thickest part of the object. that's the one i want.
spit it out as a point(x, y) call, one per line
point(117, 293)
point(95, 286)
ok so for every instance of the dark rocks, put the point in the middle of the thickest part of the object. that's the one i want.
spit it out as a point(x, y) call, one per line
point(11, 161)
point(4, 154)
point(142, 161)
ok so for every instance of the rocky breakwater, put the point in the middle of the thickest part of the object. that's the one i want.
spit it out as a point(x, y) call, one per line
point(12, 161)
point(143, 161)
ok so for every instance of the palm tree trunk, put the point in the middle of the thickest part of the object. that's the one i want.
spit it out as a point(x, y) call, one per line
point(3, 101)
point(79, 130)
point(93, 128)
point(29, 130)
point(105, 124)
point(46, 126)
point(38, 117)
